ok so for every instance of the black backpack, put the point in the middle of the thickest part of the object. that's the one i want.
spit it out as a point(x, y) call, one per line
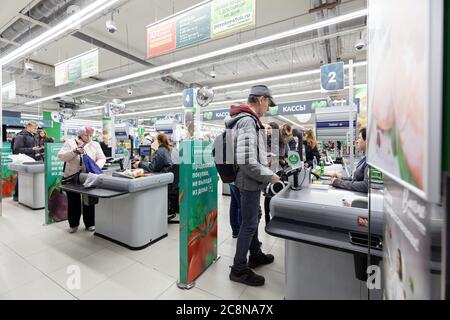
point(223, 153)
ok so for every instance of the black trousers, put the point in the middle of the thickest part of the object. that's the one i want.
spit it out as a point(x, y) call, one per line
point(267, 209)
point(74, 212)
point(16, 188)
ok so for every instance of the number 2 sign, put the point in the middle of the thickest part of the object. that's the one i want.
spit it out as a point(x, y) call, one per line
point(332, 77)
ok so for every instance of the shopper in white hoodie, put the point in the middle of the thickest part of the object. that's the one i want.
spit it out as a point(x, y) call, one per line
point(71, 153)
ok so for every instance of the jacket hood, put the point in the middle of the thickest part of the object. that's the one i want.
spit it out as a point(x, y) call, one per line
point(238, 112)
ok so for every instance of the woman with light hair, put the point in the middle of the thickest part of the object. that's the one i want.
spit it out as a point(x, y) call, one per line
point(72, 153)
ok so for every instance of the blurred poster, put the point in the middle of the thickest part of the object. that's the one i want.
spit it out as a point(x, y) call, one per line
point(405, 90)
point(407, 243)
point(56, 205)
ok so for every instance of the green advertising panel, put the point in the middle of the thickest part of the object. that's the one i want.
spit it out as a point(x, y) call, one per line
point(8, 176)
point(230, 15)
point(55, 199)
point(54, 130)
point(194, 26)
point(198, 210)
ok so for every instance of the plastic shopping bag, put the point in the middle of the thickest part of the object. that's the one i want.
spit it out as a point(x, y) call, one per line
point(20, 158)
point(90, 165)
point(91, 180)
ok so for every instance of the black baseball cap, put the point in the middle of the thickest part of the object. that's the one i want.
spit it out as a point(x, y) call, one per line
point(262, 90)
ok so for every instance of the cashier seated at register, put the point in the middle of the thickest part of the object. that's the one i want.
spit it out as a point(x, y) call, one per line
point(161, 160)
point(359, 182)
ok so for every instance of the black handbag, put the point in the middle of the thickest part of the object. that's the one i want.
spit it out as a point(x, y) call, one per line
point(72, 179)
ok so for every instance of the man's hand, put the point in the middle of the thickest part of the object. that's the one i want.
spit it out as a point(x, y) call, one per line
point(334, 179)
point(36, 148)
point(136, 164)
point(275, 179)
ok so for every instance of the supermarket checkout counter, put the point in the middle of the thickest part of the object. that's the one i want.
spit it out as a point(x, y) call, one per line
point(326, 240)
point(31, 183)
point(130, 212)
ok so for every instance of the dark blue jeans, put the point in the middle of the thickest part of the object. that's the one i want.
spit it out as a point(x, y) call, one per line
point(235, 209)
point(248, 235)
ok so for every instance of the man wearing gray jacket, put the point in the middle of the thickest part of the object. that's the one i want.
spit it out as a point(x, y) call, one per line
point(253, 175)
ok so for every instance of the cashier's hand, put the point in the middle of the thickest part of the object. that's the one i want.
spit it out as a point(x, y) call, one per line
point(334, 179)
point(275, 179)
point(136, 165)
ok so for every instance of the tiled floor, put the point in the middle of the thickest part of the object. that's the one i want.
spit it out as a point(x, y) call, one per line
point(37, 262)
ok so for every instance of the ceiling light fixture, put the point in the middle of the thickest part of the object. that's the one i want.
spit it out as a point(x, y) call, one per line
point(149, 111)
point(210, 55)
point(250, 82)
point(291, 122)
point(70, 23)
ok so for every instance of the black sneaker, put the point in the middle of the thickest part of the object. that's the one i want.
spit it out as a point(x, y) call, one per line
point(247, 277)
point(259, 260)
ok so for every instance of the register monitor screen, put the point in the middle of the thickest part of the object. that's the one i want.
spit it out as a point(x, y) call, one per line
point(145, 151)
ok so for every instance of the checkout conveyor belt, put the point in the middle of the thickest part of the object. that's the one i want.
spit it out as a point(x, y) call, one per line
point(311, 212)
point(130, 212)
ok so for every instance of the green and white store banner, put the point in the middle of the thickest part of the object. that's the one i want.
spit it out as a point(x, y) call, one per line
point(198, 210)
point(55, 199)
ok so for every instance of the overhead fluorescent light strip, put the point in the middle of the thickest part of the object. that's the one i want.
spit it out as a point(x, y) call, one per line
point(70, 23)
point(218, 53)
point(153, 98)
point(283, 77)
point(149, 111)
point(292, 122)
point(250, 82)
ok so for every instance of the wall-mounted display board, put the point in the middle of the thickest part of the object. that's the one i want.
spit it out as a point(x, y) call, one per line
point(213, 19)
point(74, 69)
point(405, 66)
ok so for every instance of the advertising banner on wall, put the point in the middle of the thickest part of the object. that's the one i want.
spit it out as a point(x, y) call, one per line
point(230, 15)
point(161, 38)
point(407, 244)
point(194, 26)
point(212, 19)
point(198, 210)
point(55, 199)
point(405, 92)
point(8, 176)
point(74, 69)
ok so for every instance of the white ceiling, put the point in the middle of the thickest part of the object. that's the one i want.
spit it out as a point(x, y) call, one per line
point(304, 52)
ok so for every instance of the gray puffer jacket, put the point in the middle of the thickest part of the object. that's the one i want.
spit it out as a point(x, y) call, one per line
point(249, 149)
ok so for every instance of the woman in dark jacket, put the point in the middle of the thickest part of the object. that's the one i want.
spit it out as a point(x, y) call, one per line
point(311, 149)
point(161, 160)
point(42, 138)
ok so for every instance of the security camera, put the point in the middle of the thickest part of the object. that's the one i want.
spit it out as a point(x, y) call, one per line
point(111, 26)
point(213, 75)
point(29, 66)
point(130, 91)
point(360, 45)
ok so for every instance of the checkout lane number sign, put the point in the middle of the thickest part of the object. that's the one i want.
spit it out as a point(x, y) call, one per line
point(332, 77)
